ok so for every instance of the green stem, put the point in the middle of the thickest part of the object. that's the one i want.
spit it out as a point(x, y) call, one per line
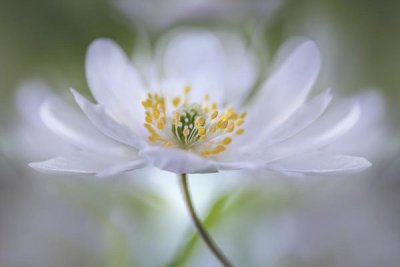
point(199, 226)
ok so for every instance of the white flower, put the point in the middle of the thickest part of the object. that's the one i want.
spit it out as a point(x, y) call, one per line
point(192, 116)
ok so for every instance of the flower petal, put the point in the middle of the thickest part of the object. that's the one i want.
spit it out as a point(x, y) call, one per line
point(286, 90)
point(114, 81)
point(240, 70)
point(30, 97)
point(177, 160)
point(317, 163)
point(107, 125)
point(301, 119)
point(240, 165)
point(373, 121)
point(83, 162)
point(72, 127)
point(321, 133)
point(196, 57)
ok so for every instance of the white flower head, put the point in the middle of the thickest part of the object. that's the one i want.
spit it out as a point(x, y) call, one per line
point(192, 116)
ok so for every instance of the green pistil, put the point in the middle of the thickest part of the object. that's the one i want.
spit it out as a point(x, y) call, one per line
point(188, 116)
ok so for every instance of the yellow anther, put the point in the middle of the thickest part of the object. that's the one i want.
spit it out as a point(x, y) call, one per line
point(233, 115)
point(240, 131)
point(214, 114)
point(201, 131)
point(219, 149)
point(214, 106)
point(154, 137)
point(243, 115)
point(206, 97)
point(160, 124)
point(226, 141)
point(148, 118)
point(239, 122)
point(224, 124)
point(149, 127)
point(206, 110)
point(156, 114)
point(176, 101)
point(230, 129)
point(200, 121)
point(186, 90)
point(147, 103)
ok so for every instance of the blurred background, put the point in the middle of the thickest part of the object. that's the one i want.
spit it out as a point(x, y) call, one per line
point(259, 219)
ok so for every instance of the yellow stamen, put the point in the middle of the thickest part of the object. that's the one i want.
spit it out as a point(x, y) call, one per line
point(176, 101)
point(186, 90)
point(227, 141)
point(214, 114)
point(197, 127)
point(240, 131)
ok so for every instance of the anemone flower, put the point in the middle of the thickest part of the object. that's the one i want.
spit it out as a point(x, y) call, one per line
point(195, 115)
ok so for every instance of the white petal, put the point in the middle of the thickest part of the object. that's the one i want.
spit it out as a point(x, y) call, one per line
point(72, 127)
point(317, 163)
point(240, 165)
point(240, 70)
point(121, 168)
point(327, 129)
point(373, 122)
point(197, 58)
point(177, 160)
point(301, 119)
point(80, 163)
point(114, 82)
point(286, 90)
point(30, 97)
point(107, 125)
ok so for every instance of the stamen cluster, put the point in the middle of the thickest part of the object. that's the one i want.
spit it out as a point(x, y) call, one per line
point(201, 128)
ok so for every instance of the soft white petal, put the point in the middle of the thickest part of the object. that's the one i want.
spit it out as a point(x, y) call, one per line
point(318, 163)
point(240, 165)
point(328, 128)
point(30, 138)
point(286, 90)
point(72, 127)
point(197, 58)
point(30, 97)
point(373, 127)
point(107, 125)
point(324, 131)
point(81, 162)
point(177, 160)
point(121, 168)
point(114, 81)
point(301, 119)
point(240, 71)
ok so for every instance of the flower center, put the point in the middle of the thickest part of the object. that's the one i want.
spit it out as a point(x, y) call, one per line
point(198, 127)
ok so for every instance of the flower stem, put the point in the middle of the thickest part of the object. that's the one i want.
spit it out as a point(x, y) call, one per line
point(199, 226)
